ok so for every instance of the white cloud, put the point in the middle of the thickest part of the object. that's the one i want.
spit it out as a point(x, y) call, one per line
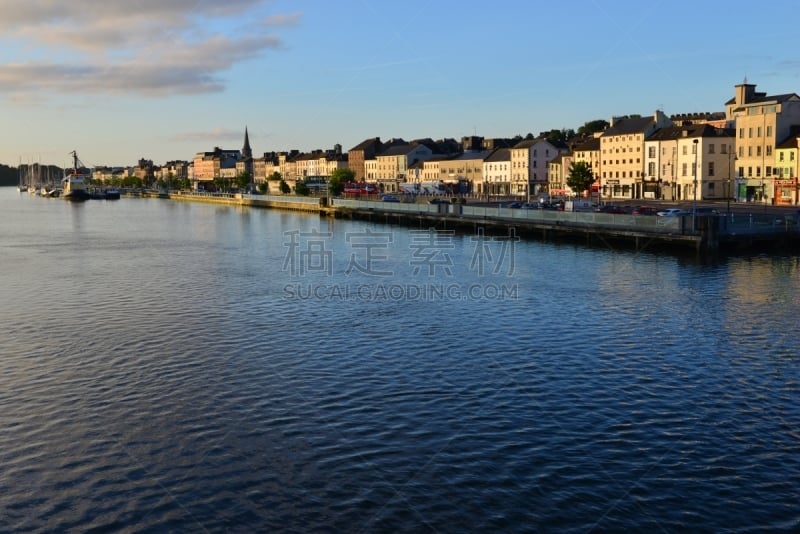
point(147, 47)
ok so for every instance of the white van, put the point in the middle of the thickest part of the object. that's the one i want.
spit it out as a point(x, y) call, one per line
point(578, 205)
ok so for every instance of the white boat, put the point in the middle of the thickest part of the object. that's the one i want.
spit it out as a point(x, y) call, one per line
point(73, 186)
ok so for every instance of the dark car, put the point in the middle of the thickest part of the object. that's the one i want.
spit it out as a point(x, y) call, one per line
point(610, 208)
point(389, 198)
point(438, 200)
point(644, 210)
point(514, 205)
point(702, 210)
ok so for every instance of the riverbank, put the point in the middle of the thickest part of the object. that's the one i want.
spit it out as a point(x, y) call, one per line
point(737, 231)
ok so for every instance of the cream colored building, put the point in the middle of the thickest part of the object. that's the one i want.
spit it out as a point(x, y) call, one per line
point(497, 173)
point(622, 154)
point(787, 186)
point(761, 121)
point(670, 163)
point(465, 170)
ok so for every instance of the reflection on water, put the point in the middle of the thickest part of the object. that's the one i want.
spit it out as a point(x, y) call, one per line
point(155, 373)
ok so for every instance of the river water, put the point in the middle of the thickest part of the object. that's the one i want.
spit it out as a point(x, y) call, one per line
point(192, 367)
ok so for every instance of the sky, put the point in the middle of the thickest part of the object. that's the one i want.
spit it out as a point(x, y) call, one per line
point(121, 80)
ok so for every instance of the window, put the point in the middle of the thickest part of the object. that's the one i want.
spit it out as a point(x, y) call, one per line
point(684, 167)
point(769, 150)
point(758, 131)
point(651, 152)
point(780, 156)
point(651, 168)
point(741, 133)
point(768, 171)
point(758, 151)
point(710, 186)
point(723, 149)
point(711, 148)
point(685, 150)
point(711, 168)
point(758, 172)
point(741, 151)
point(791, 156)
point(769, 131)
point(749, 171)
point(750, 151)
point(750, 132)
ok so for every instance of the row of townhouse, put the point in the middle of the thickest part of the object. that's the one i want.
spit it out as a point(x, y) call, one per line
point(747, 153)
point(476, 165)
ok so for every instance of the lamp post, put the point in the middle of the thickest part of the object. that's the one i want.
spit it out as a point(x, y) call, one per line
point(694, 205)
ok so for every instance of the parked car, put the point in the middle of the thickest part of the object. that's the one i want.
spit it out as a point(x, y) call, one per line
point(437, 200)
point(514, 205)
point(702, 210)
point(644, 210)
point(672, 212)
point(389, 198)
point(529, 206)
point(610, 208)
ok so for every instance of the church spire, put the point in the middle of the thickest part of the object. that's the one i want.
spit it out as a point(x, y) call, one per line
point(247, 152)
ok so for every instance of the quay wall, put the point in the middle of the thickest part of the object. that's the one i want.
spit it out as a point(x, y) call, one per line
point(638, 231)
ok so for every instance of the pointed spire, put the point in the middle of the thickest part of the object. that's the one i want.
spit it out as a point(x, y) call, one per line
point(247, 152)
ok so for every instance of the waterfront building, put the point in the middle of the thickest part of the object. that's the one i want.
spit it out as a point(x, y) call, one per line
point(264, 166)
point(530, 159)
point(621, 148)
point(466, 170)
point(426, 170)
point(670, 163)
point(497, 172)
point(319, 164)
point(587, 150)
point(760, 121)
point(208, 166)
point(556, 176)
point(359, 154)
point(786, 170)
point(392, 164)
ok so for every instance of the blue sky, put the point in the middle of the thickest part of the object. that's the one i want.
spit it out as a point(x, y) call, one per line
point(164, 79)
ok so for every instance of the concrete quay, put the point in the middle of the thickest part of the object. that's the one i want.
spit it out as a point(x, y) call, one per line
point(711, 234)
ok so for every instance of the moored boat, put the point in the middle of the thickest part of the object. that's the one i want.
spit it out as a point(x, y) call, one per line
point(73, 186)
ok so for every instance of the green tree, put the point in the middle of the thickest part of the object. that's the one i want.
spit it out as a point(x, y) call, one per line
point(285, 189)
point(339, 177)
point(302, 189)
point(275, 177)
point(580, 176)
point(593, 127)
point(243, 180)
point(263, 187)
point(563, 135)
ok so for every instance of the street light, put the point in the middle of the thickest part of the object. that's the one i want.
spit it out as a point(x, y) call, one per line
point(694, 210)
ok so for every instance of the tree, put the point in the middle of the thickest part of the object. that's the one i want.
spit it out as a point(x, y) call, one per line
point(563, 135)
point(243, 180)
point(593, 127)
point(275, 177)
point(339, 177)
point(302, 189)
point(263, 188)
point(580, 176)
point(285, 189)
